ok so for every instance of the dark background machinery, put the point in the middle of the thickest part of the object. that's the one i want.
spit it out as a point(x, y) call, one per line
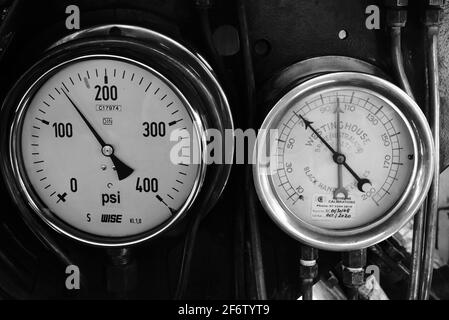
point(224, 263)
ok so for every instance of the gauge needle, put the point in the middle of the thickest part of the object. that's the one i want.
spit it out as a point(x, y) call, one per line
point(340, 189)
point(123, 171)
point(338, 158)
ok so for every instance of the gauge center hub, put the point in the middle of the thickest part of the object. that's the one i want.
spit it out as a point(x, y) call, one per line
point(107, 150)
point(339, 158)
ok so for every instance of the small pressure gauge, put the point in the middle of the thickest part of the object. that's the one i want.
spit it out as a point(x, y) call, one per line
point(343, 160)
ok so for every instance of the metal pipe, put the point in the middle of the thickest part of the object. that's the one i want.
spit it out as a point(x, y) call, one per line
point(398, 61)
point(121, 273)
point(417, 247)
point(256, 245)
point(308, 270)
point(187, 254)
point(353, 273)
point(396, 20)
point(239, 253)
point(203, 15)
point(432, 200)
point(248, 60)
point(202, 7)
point(306, 288)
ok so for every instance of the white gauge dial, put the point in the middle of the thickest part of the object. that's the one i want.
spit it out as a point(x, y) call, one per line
point(96, 141)
point(344, 158)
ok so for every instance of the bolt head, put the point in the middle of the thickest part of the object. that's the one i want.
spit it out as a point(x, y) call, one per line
point(353, 279)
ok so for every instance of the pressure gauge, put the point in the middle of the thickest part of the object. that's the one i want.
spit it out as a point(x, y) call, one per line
point(107, 138)
point(343, 161)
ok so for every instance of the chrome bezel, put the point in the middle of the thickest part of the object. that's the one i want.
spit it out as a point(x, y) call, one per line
point(398, 214)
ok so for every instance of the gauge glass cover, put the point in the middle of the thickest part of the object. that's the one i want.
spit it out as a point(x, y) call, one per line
point(132, 177)
point(343, 160)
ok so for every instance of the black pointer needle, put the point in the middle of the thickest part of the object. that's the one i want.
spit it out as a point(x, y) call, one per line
point(123, 171)
point(337, 157)
point(308, 125)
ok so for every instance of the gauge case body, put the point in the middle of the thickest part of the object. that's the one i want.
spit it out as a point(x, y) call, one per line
point(325, 73)
point(186, 71)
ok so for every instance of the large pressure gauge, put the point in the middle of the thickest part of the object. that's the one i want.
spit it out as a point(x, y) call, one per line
point(343, 161)
point(106, 138)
